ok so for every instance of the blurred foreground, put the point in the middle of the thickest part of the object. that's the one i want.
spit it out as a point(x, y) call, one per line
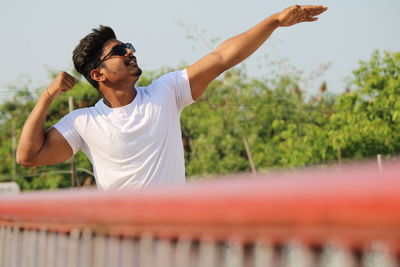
point(343, 217)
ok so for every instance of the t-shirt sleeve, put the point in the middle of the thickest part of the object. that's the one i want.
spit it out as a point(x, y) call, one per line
point(178, 83)
point(68, 127)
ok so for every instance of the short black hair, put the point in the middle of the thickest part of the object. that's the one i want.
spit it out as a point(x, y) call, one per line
point(87, 54)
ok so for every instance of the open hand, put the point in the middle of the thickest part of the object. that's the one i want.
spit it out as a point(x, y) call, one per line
point(62, 83)
point(296, 14)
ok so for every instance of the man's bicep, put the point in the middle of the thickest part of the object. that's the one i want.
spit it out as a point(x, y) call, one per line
point(56, 149)
point(203, 72)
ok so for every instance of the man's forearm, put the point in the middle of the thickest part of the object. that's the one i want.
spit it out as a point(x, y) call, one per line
point(33, 134)
point(240, 47)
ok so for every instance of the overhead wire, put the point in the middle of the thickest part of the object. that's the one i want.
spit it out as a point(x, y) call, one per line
point(294, 105)
point(304, 106)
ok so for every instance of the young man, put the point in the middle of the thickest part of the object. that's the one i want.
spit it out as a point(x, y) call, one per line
point(132, 135)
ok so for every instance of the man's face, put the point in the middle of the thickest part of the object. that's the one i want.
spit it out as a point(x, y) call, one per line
point(117, 68)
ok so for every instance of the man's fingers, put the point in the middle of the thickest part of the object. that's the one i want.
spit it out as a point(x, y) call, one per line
point(68, 83)
point(72, 80)
point(311, 11)
point(315, 13)
point(69, 80)
point(66, 75)
point(313, 7)
point(70, 77)
point(311, 19)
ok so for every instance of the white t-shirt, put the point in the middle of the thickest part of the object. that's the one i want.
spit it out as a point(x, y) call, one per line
point(137, 145)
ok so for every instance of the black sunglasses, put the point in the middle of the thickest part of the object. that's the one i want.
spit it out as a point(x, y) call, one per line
point(118, 50)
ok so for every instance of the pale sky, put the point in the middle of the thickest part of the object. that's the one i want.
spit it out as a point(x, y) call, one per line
point(41, 34)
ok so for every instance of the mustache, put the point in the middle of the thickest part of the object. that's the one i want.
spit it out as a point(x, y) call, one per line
point(131, 57)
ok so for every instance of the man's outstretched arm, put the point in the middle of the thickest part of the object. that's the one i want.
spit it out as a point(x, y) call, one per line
point(236, 49)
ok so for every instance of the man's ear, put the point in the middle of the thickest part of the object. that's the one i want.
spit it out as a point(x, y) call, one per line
point(97, 75)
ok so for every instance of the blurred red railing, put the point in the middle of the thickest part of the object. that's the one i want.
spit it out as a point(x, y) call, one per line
point(328, 217)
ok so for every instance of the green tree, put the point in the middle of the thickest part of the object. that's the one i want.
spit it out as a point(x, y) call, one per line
point(282, 126)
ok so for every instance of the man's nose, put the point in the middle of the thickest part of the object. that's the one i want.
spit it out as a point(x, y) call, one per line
point(129, 52)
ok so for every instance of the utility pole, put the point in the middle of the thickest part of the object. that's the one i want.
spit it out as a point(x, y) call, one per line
point(379, 159)
point(74, 177)
point(13, 150)
point(339, 153)
point(249, 157)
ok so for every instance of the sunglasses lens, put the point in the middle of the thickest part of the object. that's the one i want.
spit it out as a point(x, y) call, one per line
point(119, 50)
point(130, 46)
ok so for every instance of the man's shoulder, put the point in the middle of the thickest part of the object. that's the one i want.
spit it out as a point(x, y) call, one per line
point(168, 77)
point(81, 112)
point(165, 81)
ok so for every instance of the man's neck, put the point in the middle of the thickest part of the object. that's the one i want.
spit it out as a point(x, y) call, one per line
point(118, 98)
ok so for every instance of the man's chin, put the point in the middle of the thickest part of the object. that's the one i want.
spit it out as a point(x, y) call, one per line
point(137, 72)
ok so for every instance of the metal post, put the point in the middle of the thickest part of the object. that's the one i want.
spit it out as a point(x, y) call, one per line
point(250, 158)
point(74, 177)
point(13, 150)
point(379, 159)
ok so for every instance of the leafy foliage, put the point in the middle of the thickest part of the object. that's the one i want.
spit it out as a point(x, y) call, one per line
point(282, 126)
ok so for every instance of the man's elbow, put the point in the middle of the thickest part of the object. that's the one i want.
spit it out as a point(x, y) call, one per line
point(228, 58)
point(26, 163)
point(23, 160)
point(221, 59)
